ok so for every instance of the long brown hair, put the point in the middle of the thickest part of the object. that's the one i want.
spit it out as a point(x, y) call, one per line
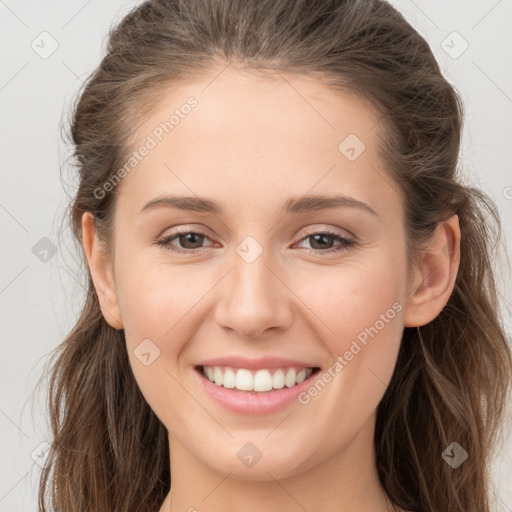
point(110, 451)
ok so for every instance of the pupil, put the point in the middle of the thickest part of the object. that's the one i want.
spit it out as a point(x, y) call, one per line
point(324, 237)
point(189, 238)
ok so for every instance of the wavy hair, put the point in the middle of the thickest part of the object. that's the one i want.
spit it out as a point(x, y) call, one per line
point(110, 451)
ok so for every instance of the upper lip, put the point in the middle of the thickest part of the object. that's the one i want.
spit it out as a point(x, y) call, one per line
point(254, 364)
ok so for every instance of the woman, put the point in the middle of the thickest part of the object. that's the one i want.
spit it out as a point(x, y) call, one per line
point(291, 303)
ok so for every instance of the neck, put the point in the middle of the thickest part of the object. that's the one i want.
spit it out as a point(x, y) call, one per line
point(345, 480)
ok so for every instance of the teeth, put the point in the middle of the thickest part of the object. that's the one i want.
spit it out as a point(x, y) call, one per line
point(217, 375)
point(301, 376)
point(243, 380)
point(229, 378)
point(278, 379)
point(260, 380)
point(290, 378)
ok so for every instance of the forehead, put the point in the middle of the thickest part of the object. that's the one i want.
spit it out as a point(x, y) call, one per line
point(249, 138)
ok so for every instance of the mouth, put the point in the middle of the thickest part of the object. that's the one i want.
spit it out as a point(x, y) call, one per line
point(255, 382)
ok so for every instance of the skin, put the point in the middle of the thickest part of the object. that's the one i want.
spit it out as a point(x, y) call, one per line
point(251, 144)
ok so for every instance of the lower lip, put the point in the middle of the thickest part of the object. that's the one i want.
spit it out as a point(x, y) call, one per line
point(251, 402)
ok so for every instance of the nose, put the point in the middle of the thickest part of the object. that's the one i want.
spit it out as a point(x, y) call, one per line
point(254, 299)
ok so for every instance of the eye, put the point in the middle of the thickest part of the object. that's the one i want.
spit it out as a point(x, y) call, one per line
point(192, 241)
point(320, 241)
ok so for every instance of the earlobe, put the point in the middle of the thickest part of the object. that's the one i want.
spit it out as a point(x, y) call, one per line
point(434, 279)
point(101, 272)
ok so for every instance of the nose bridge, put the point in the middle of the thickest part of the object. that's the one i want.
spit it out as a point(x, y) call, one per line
point(251, 277)
point(253, 298)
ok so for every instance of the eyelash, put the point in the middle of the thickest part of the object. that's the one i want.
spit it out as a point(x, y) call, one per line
point(344, 245)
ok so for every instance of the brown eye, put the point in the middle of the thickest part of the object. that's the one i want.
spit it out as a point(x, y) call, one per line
point(191, 239)
point(321, 242)
point(188, 242)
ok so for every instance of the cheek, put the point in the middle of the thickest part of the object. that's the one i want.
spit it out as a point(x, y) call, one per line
point(352, 296)
point(156, 303)
point(155, 299)
point(358, 319)
point(358, 312)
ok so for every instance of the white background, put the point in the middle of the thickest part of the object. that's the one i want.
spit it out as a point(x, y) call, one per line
point(40, 301)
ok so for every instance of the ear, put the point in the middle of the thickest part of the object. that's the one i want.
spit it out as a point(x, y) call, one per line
point(101, 272)
point(434, 278)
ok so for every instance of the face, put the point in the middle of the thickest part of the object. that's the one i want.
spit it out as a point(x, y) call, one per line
point(254, 285)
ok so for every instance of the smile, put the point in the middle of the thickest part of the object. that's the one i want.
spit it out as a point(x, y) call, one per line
point(254, 391)
point(262, 380)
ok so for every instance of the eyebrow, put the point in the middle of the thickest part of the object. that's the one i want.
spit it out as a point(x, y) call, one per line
point(301, 205)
